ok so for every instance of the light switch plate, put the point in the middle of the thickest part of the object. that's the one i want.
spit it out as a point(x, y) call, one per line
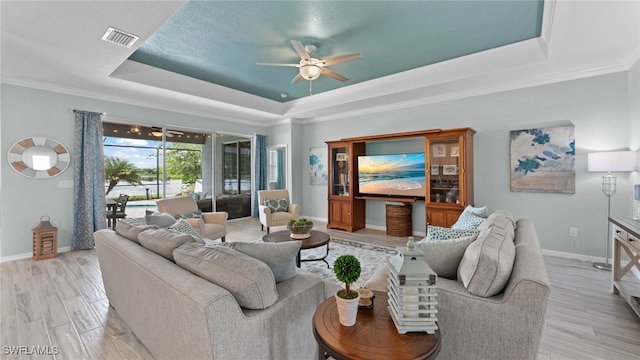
point(66, 184)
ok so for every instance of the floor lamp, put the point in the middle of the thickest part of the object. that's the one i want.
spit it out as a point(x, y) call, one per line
point(612, 161)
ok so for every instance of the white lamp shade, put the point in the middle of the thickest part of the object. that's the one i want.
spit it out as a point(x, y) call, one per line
point(612, 161)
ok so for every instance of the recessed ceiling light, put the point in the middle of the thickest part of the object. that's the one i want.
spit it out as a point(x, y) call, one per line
point(283, 95)
point(119, 37)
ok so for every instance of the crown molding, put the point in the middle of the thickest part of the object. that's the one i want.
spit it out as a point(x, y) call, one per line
point(490, 88)
point(104, 96)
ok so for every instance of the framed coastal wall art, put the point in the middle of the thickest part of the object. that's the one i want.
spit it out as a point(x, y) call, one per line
point(543, 160)
point(318, 166)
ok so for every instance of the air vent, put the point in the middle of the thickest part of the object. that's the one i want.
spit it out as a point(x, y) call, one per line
point(119, 37)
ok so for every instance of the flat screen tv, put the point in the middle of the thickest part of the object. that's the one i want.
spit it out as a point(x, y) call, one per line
point(400, 175)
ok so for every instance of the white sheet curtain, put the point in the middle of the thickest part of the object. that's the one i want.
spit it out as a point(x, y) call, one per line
point(89, 191)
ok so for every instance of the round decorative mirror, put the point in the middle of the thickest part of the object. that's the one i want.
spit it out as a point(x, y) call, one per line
point(39, 157)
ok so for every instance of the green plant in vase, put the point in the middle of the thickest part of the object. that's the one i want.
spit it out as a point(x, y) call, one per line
point(347, 269)
point(300, 228)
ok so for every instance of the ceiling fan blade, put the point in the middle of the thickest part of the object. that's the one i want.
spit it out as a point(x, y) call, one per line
point(302, 52)
point(341, 59)
point(333, 74)
point(296, 79)
point(276, 64)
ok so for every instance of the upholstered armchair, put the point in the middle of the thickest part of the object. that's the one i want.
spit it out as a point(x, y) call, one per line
point(211, 225)
point(279, 211)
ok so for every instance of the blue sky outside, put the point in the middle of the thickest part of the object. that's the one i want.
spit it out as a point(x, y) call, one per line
point(140, 157)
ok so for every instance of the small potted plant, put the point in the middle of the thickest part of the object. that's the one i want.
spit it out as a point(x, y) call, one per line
point(347, 269)
point(300, 228)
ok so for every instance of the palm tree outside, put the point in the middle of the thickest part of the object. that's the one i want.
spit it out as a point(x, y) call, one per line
point(117, 170)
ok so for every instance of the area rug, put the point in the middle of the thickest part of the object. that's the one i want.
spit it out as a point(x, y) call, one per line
point(371, 257)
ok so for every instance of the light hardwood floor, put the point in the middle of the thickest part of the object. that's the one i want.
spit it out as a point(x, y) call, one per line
point(60, 306)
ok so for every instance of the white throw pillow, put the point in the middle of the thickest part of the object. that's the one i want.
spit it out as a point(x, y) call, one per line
point(184, 227)
point(467, 221)
point(443, 256)
point(483, 212)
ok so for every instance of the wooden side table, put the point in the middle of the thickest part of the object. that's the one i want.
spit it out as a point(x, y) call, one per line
point(374, 336)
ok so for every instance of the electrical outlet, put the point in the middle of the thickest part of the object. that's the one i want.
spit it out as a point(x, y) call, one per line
point(573, 231)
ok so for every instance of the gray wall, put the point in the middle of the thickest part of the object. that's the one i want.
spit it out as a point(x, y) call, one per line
point(599, 107)
point(604, 110)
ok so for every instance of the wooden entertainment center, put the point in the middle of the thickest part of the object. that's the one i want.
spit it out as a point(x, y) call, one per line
point(448, 186)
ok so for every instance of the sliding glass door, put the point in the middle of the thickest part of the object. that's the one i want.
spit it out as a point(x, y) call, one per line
point(149, 163)
point(233, 188)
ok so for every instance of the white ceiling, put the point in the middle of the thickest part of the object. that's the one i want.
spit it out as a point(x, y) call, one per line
point(55, 45)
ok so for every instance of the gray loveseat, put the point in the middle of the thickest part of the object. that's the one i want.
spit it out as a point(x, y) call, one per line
point(508, 325)
point(179, 315)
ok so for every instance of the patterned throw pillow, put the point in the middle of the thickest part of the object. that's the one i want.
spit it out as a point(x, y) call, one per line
point(443, 233)
point(184, 227)
point(197, 214)
point(277, 205)
point(467, 221)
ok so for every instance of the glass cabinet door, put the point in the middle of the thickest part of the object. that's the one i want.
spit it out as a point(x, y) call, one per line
point(444, 171)
point(340, 183)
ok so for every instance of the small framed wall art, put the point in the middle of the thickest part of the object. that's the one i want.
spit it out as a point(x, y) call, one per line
point(449, 169)
point(455, 151)
point(439, 150)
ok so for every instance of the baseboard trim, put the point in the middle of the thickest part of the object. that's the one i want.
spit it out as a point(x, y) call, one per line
point(572, 256)
point(29, 255)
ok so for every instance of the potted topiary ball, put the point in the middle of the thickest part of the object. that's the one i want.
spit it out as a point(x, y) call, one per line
point(347, 269)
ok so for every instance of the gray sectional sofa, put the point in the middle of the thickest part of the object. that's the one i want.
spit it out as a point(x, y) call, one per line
point(477, 324)
point(179, 315)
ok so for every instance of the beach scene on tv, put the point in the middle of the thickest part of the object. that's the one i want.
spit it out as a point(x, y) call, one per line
point(397, 174)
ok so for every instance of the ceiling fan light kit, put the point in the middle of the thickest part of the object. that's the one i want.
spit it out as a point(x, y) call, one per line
point(310, 68)
point(310, 71)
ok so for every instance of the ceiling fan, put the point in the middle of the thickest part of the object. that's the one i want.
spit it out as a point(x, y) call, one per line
point(157, 132)
point(311, 67)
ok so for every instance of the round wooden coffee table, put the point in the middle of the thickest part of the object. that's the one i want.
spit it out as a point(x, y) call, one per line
point(317, 239)
point(374, 336)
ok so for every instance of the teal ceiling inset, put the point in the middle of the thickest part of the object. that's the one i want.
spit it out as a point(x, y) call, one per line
point(221, 41)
